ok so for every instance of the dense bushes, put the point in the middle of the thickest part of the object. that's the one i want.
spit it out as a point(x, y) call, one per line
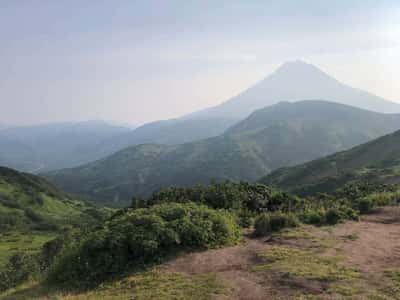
point(330, 216)
point(369, 202)
point(20, 267)
point(267, 223)
point(359, 189)
point(141, 236)
point(227, 195)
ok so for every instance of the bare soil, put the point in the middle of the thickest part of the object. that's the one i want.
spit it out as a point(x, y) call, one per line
point(371, 245)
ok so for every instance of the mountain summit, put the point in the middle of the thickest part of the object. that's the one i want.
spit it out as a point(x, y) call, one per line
point(295, 81)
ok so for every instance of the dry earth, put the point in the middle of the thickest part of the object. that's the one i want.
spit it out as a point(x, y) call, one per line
point(371, 246)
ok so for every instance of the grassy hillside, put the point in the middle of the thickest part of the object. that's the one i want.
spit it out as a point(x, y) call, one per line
point(282, 135)
point(180, 244)
point(32, 212)
point(378, 160)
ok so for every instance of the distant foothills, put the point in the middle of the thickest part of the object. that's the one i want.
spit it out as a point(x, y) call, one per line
point(295, 115)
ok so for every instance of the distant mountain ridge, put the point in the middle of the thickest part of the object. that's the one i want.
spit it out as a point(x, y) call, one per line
point(375, 161)
point(293, 81)
point(284, 134)
point(53, 146)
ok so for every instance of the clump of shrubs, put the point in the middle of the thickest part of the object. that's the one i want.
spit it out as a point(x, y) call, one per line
point(268, 223)
point(367, 203)
point(19, 268)
point(253, 197)
point(314, 217)
point(245, 217)
point(142, 236)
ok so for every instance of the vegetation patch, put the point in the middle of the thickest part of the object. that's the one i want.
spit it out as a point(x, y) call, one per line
point(268, 223)
point(147, 285)
point(392, 291)
point(296, 233)
point(306, 264)
point(15, 242)
point(141, 236)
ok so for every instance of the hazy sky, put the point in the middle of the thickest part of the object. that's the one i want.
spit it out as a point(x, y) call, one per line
point(138, 61)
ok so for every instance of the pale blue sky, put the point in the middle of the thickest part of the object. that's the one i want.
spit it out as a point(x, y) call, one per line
point(138, 61)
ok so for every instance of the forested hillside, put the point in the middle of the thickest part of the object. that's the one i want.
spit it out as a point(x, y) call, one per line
point(285, 134)
point(377, 161)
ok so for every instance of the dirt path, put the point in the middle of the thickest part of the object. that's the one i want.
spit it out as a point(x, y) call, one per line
point(371, 246)
point(377, 243)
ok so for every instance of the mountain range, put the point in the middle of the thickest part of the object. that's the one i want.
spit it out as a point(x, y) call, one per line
point(293, 81)
point(375, 161)
point(55, 146)
point(284, 134)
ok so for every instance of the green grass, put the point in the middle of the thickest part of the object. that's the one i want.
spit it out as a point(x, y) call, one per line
point(349, 237)
point(296, 233)
point(306, 264)
point(14, 242)
point(144, 286)
point(392, 291)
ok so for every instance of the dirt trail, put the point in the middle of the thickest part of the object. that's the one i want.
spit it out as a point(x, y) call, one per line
point(371, 245)
point(377, 246)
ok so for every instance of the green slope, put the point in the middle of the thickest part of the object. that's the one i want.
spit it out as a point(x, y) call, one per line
point(28, 202)
point(282, 135)
point(378, 160)
point(32, 212)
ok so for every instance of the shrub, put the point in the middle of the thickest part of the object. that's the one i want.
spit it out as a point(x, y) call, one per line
point(349, 213)
point(226, 195)
point(9, 203)
point(268, 223)
point(141, 236)
point(365, 205)
point(33, 216)
point(315, 217)
point(245, 217)
point(8, 220)
point(19, 268)
point(333, 216)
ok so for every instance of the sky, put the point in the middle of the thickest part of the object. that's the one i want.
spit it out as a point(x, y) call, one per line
point(140, 61)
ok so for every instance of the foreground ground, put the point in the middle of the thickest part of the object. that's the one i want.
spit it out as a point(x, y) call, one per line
point(356, 260)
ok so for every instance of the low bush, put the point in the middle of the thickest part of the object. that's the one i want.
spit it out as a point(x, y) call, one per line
point(365, 205)
point(315, 217)
point(9, 203)
point(349, 213)
point(20, 267)
point(33, 216)
point(245, 217)
point(268, 223)
point(141, 236)
point(333, 216)
point(368, 203)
